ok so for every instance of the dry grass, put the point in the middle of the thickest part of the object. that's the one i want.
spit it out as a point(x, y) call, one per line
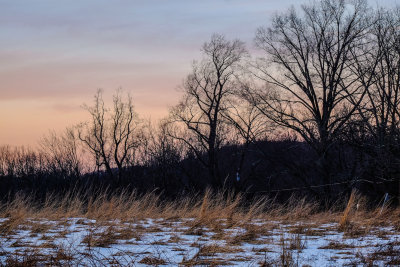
point(207, 255)
point(250, 235)
point(103, 239)
point(345, 220)
point(211, 250)
point(152, 261)
point(212, 210)
point(126, 219)
point(336, 245)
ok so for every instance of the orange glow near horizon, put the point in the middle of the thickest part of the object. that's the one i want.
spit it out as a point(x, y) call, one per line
point(25, 122)
point(54, 55)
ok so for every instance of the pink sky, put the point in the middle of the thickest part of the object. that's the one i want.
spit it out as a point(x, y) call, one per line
point(55, 54)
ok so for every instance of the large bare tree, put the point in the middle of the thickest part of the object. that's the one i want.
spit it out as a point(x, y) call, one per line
point(112, 136)
point(378, 70)
point(307, 56)
point(306, 69)
point(207, 91)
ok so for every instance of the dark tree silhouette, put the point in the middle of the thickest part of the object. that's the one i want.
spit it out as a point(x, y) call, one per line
point(377, 67)
point(112, 137)
point(306, 70)
point(62, 153)
point(207, 92)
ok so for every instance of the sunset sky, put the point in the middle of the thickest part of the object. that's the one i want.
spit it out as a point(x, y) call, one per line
point(55, 54)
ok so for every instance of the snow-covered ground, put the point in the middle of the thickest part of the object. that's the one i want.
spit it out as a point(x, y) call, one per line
point(80, 241)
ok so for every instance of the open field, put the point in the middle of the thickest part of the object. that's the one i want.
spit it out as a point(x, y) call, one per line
point(213, 230)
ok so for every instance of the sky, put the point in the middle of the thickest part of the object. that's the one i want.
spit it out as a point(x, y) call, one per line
point(55, 54)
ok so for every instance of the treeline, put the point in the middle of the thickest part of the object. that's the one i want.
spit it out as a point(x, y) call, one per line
point(314, 113)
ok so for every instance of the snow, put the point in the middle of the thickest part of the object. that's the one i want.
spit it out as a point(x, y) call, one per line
point(174, 243)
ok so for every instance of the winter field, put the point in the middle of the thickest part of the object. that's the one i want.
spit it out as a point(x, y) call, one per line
point(210, 231)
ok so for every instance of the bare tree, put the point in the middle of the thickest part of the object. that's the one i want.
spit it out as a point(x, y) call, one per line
point(62, 154)
point(378, 70)
point(162, 149)
point(249, 124)
point(20, 162)
point(163, 154)
point(207, 91)
point(112, 137)
point(306, 65)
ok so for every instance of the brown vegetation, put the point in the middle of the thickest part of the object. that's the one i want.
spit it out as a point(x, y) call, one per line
point(215, 210)
point(213, 217)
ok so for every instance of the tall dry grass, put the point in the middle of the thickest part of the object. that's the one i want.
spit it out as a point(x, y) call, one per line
point(345, 220)
point(204, 208)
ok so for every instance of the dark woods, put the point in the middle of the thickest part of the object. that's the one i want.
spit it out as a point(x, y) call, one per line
point(316, 114)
